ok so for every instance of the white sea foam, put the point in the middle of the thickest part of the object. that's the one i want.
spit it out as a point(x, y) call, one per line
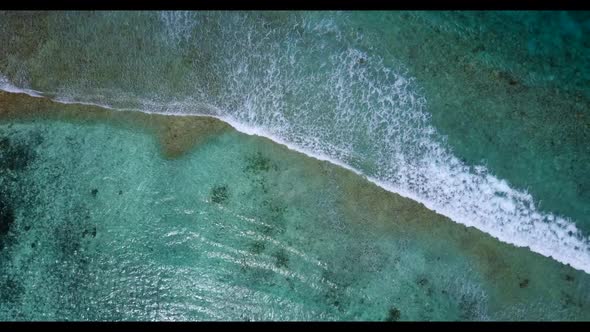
point(7, 86)
point(309, 87)
point(510, 217)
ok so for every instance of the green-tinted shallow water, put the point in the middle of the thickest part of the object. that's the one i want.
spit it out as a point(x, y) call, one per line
point(103, 227)
point(110, 215)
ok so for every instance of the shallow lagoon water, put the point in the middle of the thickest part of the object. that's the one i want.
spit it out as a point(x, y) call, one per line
point(106, 226)
point(124, 215)
point(409, 99)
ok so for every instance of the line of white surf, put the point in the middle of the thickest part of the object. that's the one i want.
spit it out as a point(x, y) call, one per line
point(551, 239)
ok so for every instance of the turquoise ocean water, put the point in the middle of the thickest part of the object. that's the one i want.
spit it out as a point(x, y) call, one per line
point(426, 122)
